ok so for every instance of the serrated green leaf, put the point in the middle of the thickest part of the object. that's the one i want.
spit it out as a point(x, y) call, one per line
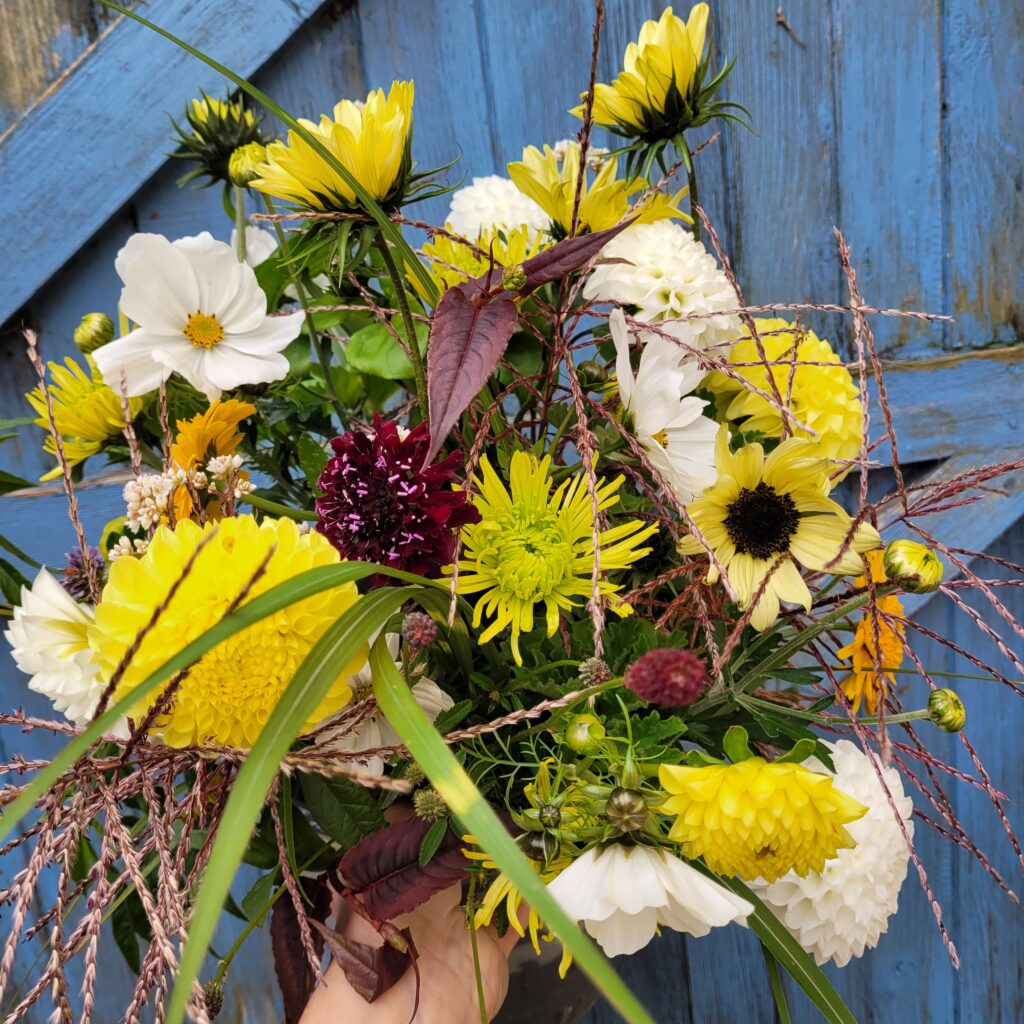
point(345, 810)
point(432, 840)
point(448, 720)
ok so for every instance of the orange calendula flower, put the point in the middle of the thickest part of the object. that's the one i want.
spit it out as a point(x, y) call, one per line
point(877, 642)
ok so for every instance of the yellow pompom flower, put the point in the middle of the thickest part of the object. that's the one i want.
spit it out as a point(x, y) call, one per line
point(534, 547)
point(86, 411)
point(370, 140)
point(766, 510)
point(603, 202)
point(758, 819)
point(227, 697)
point(813, 383)
point(876, 641)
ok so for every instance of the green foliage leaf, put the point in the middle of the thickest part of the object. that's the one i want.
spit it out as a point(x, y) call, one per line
point(736, 744)
point(800, 751)
point(345, 810)
point(11, 581)
point(312, 458)
point(374, 350)
point(256, 901)
point(9, 482)
point(432, 840)
point(18, 553)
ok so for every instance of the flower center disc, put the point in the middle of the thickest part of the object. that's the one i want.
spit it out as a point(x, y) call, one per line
point(204, 331)
point(533, 557)
point(761, 522)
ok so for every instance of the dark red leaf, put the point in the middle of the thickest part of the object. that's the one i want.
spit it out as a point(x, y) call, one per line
point(468, 335)
point(566, 256)
point(370, 970)
point(384, 868)
point(294, 975)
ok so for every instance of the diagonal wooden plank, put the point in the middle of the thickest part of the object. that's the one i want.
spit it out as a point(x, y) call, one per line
point(83, 151)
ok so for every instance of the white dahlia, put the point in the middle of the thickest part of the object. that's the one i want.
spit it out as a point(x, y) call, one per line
point(662, 271)
point(48, 635)
point(492, 203)
point(623, 894)
point(837, 914)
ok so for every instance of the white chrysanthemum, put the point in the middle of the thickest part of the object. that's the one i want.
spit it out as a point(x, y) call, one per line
point(200, 313)
point(48, 635)
point(665, 273)
point(493, 203)
point(623, 894)
point(667, 420)
point(837, 914)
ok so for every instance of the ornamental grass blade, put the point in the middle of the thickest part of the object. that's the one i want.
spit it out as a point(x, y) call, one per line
point(338, 645)
point(388, 228)
point(466, 803)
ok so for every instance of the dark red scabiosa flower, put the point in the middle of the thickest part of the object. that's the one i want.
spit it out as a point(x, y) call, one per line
point(379, 505)
point(667, 676)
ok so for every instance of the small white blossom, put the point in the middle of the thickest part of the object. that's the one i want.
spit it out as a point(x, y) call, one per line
point(595, 154)
point(146, 499)
point(125, 546)
point(221, 467)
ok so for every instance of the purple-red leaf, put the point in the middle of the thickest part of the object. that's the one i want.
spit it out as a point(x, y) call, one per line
point(370, 970)
point(294, 975)
point(468, 335)
point(384, 868)
point(566, 256)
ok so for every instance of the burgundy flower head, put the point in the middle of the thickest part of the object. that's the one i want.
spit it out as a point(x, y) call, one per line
point(673, 678)
point(380, 506)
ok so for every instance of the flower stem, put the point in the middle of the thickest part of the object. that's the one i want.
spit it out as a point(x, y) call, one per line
point(691, 177)
point(240, 223)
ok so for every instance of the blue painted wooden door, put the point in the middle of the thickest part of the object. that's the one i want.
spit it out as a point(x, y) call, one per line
point(900, 122)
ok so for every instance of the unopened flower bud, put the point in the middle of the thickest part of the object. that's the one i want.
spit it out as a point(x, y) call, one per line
point(626, 810)
point(946, 710)
point(584, 734)
point(549, 815)
point(93, 332)
point(414, 774)
point(594, 671)
point(429, 805)
point(213, 993)
point(419, 630)
point(592, 375)
point(666, 676)
point(913, 566)
point(513, 278)
point(243, 163)
point(539, 846)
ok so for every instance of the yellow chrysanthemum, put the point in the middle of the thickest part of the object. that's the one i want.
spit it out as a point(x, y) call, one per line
point(821, 397)
point(87, 412)
point(764, 515)
point(533, 547)
point(370, 140)
point(758, 819)
point(876, 641)
point(603, 202)
point(659, 74)
point(228, 695)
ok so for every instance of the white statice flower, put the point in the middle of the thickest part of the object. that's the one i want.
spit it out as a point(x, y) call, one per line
point(665, 273)
point(493, 203)
point(623, 894)
point(667, 420)
point(841, 912)
point(125, 546)
point(147, 498)
point(48, 632)
point(260, 244)
point(200, 313)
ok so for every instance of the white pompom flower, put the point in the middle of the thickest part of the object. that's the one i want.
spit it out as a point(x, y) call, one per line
point(494, 203)
point(200, 313)
point(662, 271)
point(838, 914)
point(623, 894)
point(666, 419)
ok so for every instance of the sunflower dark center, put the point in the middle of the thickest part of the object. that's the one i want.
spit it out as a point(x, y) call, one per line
point(761, 522)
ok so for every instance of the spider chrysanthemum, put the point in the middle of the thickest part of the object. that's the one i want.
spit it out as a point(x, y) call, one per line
point(758, 819)
point(534, 546)
point(380, 504)
point(228, 695)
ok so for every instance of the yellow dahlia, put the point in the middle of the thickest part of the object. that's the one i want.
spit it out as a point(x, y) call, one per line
point(822, 397)
point(87, 413)
point(228, 695)
point(758, 819)
point(767, 514)
point(603, 202)
point(876, 642)
point(370, 140)
point(533, 546)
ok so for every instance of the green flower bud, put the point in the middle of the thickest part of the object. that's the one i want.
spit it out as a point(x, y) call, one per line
point(592, 375)
point(584, 734)
point(594, 671)
point(913, 566)
point(414, 774)
point(626, 810)
point(93, 332)
point(513, 278)
point(946, 710)
point(243, 162)
point(213, 993)
point(539, 846)
point(429, 805)
point(549, 815)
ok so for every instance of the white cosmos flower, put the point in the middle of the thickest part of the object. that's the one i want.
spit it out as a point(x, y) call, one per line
point(667, 420)
point(200, 313)
point(260, 244)
point(623, 894)
point(491, 203)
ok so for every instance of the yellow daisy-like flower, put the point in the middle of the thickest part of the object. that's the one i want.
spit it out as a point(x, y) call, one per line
point(765, 515)
point(603, 202)
point(86, 411)
point(758, 819)
point(533, 546)
point(227, 697)
point(822, 397)
point(659, 74)
point(211, 109)
point(370, 140)
point(876, 641)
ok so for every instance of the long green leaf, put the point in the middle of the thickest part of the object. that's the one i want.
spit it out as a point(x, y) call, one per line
point(388, 228)
point(465, 801)
point(329, 655)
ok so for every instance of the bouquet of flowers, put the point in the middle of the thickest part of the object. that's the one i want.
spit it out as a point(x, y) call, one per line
point(515, 554)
